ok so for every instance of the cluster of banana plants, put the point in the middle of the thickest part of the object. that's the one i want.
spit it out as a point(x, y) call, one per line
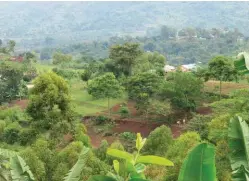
point(13, 167)
point(239, 148)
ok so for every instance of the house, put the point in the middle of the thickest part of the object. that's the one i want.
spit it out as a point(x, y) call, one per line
point(188, 67)
point(169, 68)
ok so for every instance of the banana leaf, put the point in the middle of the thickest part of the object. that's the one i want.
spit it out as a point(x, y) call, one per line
point(20, 170)
point(74, 173)
point(238, 139)
point(242, 63)
point(199, 165)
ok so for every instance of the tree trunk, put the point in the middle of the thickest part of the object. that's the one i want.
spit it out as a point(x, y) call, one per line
point(109, 107)
point(220, 89)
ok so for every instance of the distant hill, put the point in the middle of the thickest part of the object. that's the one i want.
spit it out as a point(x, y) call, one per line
point(83, 21)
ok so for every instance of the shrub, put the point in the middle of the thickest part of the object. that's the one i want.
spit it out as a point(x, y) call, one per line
point(124, 111)
point(12, 114)
point(11, 133)
point(101, 119)
point(60, 171)
point(80, 135)
point(2, 126)
point(101, 151)
point(158, 141)
point(36, 165)
point(27, 136)
point(199, 123)
point(70, 153)
point(178, 151)
point(128, 136)
point(10, 136)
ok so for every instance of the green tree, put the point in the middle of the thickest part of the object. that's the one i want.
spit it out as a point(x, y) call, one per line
point(86, 75)
point(105, 86)
point(199, 123)
point(50, 101)
point(222, 69)
point(142, 88)
point(125, 56)
point(183, 89)
point(11, 76)
point(159, 141)
point(59, 58)
point(178, 151)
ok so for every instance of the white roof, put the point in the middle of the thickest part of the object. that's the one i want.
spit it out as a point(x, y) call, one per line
point(190, 66)
point(168, 68)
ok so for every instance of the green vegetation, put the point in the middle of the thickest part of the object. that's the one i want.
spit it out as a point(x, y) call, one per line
point(81, 117)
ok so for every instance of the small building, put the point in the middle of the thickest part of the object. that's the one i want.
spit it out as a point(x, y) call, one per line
point(188, 67)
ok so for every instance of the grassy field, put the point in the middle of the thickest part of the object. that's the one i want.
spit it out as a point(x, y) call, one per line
point(85, 104)
point(227, 87)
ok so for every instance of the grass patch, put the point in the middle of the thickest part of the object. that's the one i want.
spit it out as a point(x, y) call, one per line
point(85, 104)
point(227, 87)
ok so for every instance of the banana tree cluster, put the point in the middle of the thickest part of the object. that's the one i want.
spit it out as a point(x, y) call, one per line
point(13, 167)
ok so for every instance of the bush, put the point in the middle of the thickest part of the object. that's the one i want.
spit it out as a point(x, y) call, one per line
point(67, 74)
point(11, 133)
point(2, 126)
point(178, 151)
point(100, 152)
point(128, 136)
point(10, 136)
point(124, 111)
point(27, 136)
point(80, 135)
point(199, 123)
point(158, 141)
point(101, 119)
point(12, 114)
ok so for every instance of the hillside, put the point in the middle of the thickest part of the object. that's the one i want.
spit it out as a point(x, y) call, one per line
point(82, 21)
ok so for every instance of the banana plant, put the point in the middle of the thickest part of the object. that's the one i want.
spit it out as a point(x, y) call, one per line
point(75, 172)
point(199, 165)
point(19, 170)
point(242, 63)
point(238, 139)
point(134, 164)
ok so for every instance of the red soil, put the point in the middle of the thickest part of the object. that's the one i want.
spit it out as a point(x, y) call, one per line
point(204, 110)
point(129, 125)
point(21, 103)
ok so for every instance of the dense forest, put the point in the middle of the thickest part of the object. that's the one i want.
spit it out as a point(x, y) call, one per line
point(188, 45)
point(106, 109)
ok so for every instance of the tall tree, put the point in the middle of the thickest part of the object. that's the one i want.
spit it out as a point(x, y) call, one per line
point(11, 76)
point(222, 69)
point(49, 103)
point(105, 86)
point(125, 56)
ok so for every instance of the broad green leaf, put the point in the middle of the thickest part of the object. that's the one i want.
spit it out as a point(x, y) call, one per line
point(119, 154)
point(116, 177)
point(138, 179)
point(116, 166)
point(199, 165)
point(20, 170)
point(75, 172)
point(154, 160)
point(242, 63)
point(238, 139)
point(240, 174)
point(100, 178)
